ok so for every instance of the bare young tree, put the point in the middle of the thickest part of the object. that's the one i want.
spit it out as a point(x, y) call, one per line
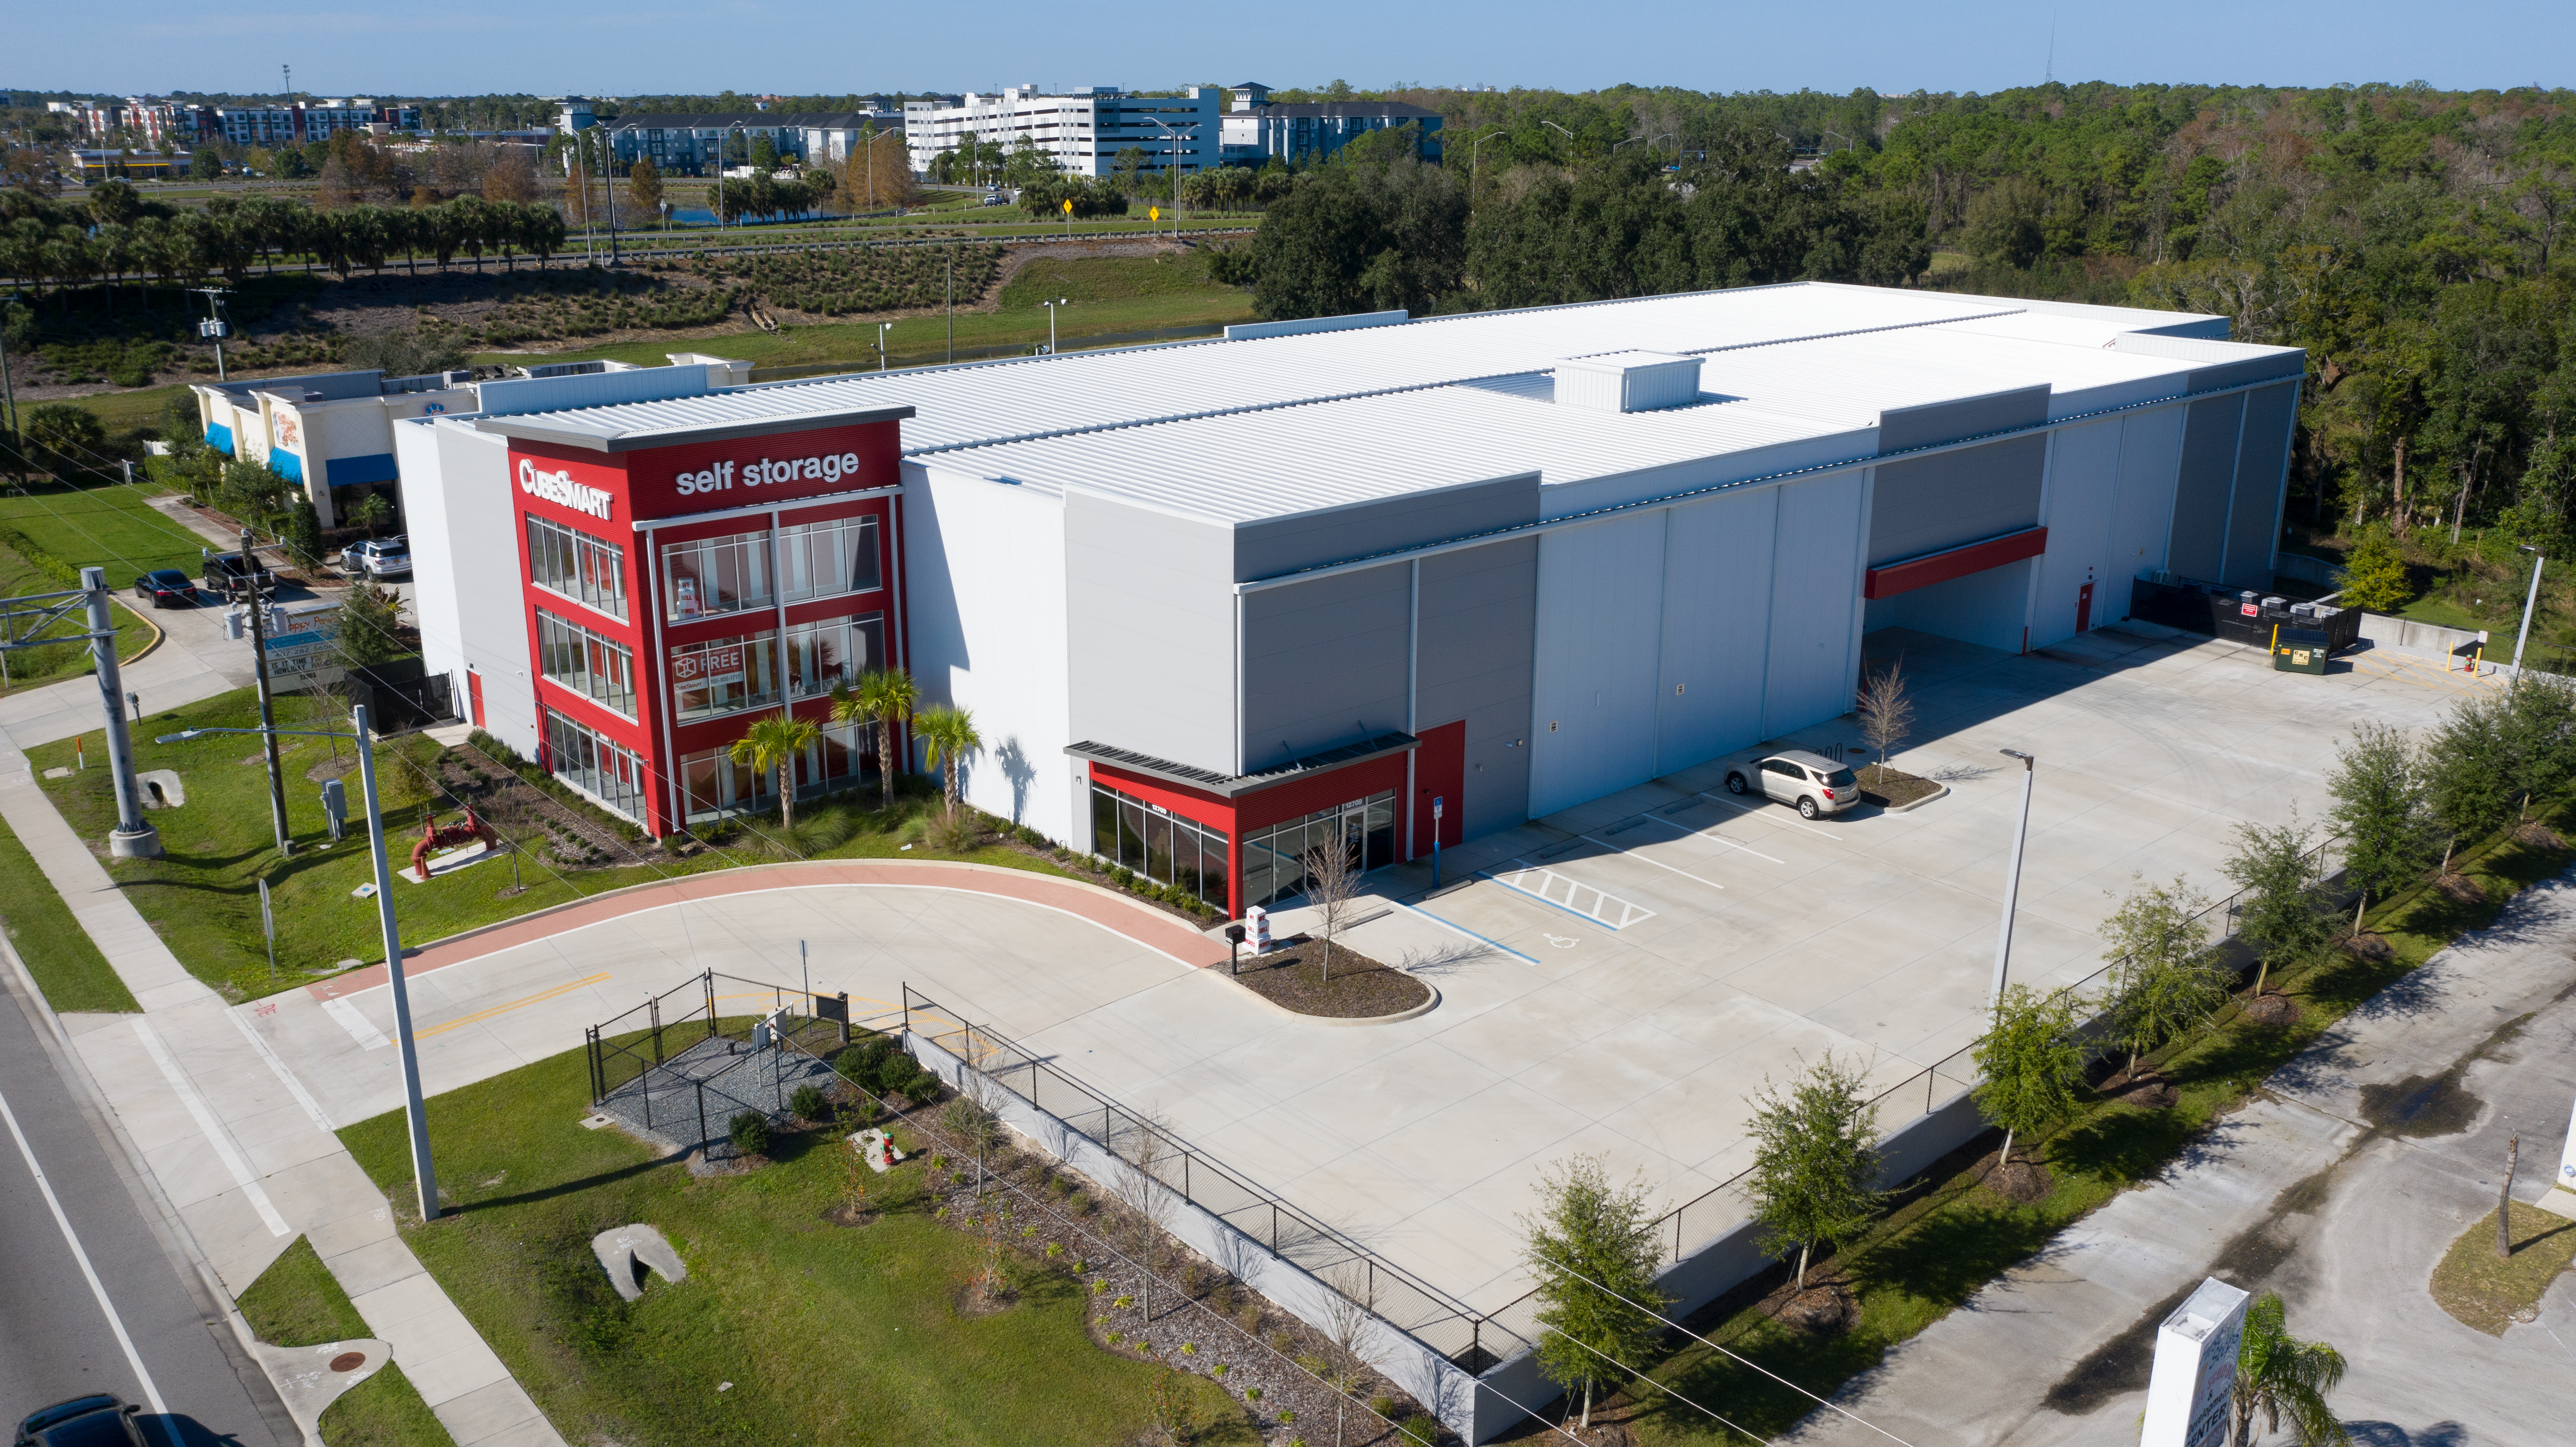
point(974, 1118)
point(1332, 883)
point(1347, 1314)
point(1886, 714)
point(1146, 1146)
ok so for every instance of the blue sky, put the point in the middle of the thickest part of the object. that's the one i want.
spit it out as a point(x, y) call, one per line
point(648, 46)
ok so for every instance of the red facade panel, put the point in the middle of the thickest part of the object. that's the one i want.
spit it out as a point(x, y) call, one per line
point(1440, 772)
point(1941, 567)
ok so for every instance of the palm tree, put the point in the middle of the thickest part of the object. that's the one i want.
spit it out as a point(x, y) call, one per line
point(2280, 1376)
point(947, 736)
point(885, 696)
point(773, 744)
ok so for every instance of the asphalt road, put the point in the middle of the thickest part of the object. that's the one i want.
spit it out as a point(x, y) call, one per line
point(56, 1340)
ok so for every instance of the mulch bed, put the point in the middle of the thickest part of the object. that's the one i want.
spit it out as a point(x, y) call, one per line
point(1888, 787)
point(522, 811)
point(1293, 978)
point(2272, 1008)
point(1825, 1308)
point(2148, 1091)
point(2462, 888)
point(2372, 947)
point(2020, 1180)
point(2539, 835)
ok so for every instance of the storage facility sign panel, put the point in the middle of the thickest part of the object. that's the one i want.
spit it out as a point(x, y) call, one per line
point(752, 471)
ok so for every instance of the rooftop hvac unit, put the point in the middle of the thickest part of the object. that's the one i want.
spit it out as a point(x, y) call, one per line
point(1627, 381)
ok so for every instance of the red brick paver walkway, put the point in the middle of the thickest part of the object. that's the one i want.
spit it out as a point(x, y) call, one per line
point(1133, 919)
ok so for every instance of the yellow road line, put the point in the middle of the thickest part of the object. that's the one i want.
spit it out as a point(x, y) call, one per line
point(464, 1020)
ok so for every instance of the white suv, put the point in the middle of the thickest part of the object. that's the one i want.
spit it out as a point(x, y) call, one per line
point(379, 558)
point(1812, 783)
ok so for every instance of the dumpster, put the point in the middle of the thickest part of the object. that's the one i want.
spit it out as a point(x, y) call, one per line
point(2300, 650)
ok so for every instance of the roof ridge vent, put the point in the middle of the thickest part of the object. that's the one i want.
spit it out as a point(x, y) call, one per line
point(1627, 381)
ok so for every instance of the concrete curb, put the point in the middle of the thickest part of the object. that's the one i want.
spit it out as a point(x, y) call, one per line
point(1275, 1008)
point(1934, 797)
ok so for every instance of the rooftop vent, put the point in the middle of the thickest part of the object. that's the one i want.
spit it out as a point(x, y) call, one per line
point(1627, 381)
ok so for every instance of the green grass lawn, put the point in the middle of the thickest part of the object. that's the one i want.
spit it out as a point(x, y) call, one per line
point(202, 894)
point(1117, 301)
point(1949, 1235)
point(827, 1334)
point(296, 1303)
point(125, 409)
point(57, 951)
point(109, 525)
point(36, 667)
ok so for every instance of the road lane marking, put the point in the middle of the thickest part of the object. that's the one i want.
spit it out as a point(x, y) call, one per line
point(368, 1036)
point(97, 1288)
point(214, 1130)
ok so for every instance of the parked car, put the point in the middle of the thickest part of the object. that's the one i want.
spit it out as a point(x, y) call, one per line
point(229, 573)
point(378, 557)
point(166, 588)
point(99, 1421)
point(1810, 783)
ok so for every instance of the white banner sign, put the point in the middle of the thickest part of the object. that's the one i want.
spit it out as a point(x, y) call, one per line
point(2195, 1370)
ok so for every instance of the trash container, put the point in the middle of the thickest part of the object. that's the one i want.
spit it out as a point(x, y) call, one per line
point(2299, 650)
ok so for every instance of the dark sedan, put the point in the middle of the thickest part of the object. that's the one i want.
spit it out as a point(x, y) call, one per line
point(167, 588)
point(100, 1421)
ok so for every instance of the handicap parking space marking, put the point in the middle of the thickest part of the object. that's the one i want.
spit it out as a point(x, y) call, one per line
point(1542, 884)
point(1458, 929)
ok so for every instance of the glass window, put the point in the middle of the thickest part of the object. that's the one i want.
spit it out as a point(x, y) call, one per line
point(709, 576)
point(594, 765)
point(1158, 844)
point(833, 651)
point(722, 675)
point(585, 662)
point(577, 565)
point(818, 560)
point(1274, 858)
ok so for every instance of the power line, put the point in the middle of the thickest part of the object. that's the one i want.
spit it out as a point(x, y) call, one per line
point(1641, 1376)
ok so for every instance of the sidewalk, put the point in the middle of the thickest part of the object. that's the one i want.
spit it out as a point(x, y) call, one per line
point(244, 1151)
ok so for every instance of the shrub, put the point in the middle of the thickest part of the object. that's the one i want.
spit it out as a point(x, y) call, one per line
point(750, 1132)
point(923, 1090)
point(809, 1103)
point(896, 1072)
point(1383, 1405)
point(1420, 1427)
point(1030, 837)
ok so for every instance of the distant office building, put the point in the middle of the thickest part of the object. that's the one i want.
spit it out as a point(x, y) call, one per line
point(139, 165)
point(691, 145)
point(1257, 131)
point(1082, 134)
point(155, 121)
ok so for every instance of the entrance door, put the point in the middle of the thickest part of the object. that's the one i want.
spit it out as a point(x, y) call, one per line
point(2084, 609)
point(474, 695)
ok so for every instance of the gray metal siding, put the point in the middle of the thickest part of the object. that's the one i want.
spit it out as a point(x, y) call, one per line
point(1968, 417)
point(1324, 663)
point(1930, 503)
point(2206, 477)
point(1475, 648)
point(1810, 672)
point(2150, 450)
point(1269, 548)
point(1150, 632)
point(1600, 592)
point(1717, 627)
point(2262, 474)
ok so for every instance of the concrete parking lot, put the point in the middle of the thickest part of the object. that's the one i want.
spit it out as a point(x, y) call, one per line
point(1617, 978)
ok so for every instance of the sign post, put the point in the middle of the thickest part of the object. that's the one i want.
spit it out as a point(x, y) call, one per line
point(2195, 1371)
point(1438, 804)
point(268, 927)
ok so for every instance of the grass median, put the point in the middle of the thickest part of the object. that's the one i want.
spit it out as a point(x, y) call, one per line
point(1949, 1235)
point(202, 895)
point(49, 941)
point(788, 1330)
point(296, 1303)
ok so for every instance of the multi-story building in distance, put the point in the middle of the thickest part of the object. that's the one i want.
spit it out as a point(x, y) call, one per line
point(1082, 134)
point(1258, 131)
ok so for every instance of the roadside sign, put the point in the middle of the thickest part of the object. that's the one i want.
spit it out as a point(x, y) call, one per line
point(1153, 213)
point(1068, 206)
point(267, 921)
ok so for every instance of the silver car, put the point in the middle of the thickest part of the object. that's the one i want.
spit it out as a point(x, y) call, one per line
point(1811, 783)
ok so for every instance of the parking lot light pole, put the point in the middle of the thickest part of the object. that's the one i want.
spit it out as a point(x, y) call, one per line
point(2530, 601)
point(424, 1175)
point(2012, 880)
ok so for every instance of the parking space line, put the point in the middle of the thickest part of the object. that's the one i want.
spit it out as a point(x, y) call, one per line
point(1744, 808)
point(1602, 899)
point(1459, 929)
point(1712, 834)
point(1642, 859)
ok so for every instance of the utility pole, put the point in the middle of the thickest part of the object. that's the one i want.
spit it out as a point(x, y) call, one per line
point(2012, 881)
point(2530, 602)
point(133, 839)
point(267, 710)
point(214, 325)
point(952, 303)
point(9, 399)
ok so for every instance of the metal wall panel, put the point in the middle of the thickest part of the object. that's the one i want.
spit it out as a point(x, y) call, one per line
point(1931, 503)
point(2150, 452)
point(1982, 608)
point(2083, 498)
point(1479, 616)
point(1815, 604)
point(2262, 479)
point(1717, 627)
point(1600, 594)
point(1149, 613)
point(1324, 663)
point(1903, 427)
point(984, 586)
point(1268, 548)
point(2203, 483)
point(468, 482)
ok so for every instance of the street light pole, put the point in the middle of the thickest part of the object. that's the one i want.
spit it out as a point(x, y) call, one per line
point(267, 708)
point(2012, 881)
point(424, 1171)
point(2530, 602)
point(1051, 306)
